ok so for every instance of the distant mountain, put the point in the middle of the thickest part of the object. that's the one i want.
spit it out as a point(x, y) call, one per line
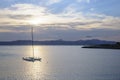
point(57, 42)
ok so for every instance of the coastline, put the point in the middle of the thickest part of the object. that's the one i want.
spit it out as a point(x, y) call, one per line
point(104, 46)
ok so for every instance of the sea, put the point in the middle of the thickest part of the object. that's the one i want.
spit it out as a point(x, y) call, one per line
point(59, 63)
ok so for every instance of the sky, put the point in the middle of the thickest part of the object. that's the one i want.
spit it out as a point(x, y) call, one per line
point(60, 19)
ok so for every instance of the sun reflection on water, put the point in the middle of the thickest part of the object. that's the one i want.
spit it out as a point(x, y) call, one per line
point(37, 51)
point(37, 70)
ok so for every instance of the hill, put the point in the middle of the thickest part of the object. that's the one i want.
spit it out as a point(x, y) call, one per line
point(58, 42)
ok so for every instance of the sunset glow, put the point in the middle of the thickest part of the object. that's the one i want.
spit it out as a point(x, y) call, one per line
point(65, 17)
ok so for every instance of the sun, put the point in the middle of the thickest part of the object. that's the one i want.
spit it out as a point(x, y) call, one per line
point(35, 21)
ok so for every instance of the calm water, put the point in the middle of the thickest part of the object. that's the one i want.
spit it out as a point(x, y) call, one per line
point(59, 63)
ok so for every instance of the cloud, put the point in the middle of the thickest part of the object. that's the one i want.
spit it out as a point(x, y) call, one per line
point(19, 14)
point(15, 29)
point(70, 18)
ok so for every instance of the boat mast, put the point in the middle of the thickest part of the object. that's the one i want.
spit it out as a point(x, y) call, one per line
point(32, 40)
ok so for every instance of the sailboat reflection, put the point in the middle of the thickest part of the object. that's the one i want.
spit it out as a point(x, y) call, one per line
point(32, 59)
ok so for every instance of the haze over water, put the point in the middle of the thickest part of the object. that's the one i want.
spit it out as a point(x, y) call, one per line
point(59, 63)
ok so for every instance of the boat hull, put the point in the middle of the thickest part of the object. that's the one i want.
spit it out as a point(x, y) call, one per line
point(32, 59)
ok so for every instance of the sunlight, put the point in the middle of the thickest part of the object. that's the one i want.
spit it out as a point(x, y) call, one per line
point(35, 22)
point(37, 51)
point(38, 21)
point(34, 69)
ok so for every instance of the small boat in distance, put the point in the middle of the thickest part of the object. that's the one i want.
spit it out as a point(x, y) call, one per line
point(32, 59)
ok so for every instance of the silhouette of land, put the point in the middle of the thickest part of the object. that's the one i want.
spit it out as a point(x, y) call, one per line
point(105, 46)
point(58, 42)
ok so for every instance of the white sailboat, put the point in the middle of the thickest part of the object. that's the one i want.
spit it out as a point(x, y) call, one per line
point(32, 58)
